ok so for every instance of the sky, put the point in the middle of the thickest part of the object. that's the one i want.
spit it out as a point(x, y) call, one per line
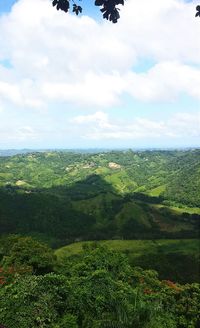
point(83, 82)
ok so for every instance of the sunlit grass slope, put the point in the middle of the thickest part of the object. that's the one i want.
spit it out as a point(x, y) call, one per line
point(136, 247)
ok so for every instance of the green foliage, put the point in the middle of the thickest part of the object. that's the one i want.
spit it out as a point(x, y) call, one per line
point(67, 321)
point(6, 244)
point(33, 301)
point(163, 321)
point(103, 291)
point(177, 260)
point(27, 252)
point(184, 304)
point(99, 290)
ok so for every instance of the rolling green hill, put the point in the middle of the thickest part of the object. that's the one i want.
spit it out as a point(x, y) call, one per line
point(136, 247)
point(63, 196)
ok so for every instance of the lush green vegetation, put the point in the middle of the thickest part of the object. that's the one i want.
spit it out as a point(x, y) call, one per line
point(63, 197)
point(95, 289)
point(142, 211)
point(177, 260)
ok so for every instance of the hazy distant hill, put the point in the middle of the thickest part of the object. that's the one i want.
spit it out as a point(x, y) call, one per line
point(13, 152)
point(126, 194)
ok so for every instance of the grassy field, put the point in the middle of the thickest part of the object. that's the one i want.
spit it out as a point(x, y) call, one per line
point(137, 247)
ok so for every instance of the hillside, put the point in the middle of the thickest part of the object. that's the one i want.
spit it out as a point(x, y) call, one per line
point(177, 260)
point(65, 196)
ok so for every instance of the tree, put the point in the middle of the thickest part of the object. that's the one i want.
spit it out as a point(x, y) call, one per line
point(99, 290)
point(109, 9)
point(106, 292)
point(34, 301)
point(27, 252)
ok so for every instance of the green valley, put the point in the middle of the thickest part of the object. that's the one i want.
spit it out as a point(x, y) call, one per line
point(64, 197)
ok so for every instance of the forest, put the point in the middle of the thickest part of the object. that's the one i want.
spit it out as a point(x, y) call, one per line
point(100, 239)
point(97, 288)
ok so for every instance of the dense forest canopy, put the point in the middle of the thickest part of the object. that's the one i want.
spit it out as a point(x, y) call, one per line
point(97, 289)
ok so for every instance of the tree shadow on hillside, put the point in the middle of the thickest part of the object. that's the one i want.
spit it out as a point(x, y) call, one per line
point(52, 212)
point(87, 210)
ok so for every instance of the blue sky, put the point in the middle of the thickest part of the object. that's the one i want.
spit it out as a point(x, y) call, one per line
point(80, 82)
point(6, 5)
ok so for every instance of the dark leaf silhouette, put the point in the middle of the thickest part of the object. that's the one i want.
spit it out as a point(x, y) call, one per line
point(99, 2)
point(198, 11)
point(119, 2)
point(109, 9)
point(61, 4)
point(77, 9)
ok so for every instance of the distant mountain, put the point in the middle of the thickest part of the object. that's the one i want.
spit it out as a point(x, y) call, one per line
point(13, 152)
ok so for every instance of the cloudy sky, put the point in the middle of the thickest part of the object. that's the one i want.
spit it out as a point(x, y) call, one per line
point(81, 82)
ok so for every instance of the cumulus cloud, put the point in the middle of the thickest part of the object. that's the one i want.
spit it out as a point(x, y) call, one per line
point(59, 57)
point(99, 117)
point(102, 129)
point(165, 30)
point(99, 127)
point(9, 91)
point(100, 90)
point(18, 134)
point(26, 132)
point(165, 81)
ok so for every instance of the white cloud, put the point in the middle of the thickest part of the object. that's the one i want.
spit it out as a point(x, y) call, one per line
point(20, 94)
point(9, 91)
point(99, 90)
point(26, 132)
point(165, 81)
point(17, 134)
point(59, 57)
point(186, 124)
point(165, 30)
point(98, 117)
point(99, 127)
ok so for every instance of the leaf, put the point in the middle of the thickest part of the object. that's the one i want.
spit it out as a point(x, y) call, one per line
point(77, 9)
point(106, 14)
point(120, 2)
point(54, 3)
point(99, 3)
point(198, 11)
